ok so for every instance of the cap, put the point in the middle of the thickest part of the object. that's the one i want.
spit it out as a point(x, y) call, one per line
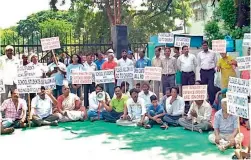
point(130, 52)
point(110, 51)
point(9, 47)
point(32, 55)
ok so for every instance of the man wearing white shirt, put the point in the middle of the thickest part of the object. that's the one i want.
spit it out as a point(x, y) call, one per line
point(207, 61)
point(146, 94)
point(125, 62)
point(175, 107)
point(187, 65)
point(41, 70)
point(109, 51)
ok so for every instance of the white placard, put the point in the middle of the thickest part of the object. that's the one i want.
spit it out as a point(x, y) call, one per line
point(237, 104)
point(238, 85)
point(244, 63)
point(2, 87)
point(194, 92)
point(152, 73)
point(26, 71)
point(182, 41)
point(219, 46)
point(1, 64)
point(139, 74)
point(247, 40)
point(165, 38)
point(81, 77)
point(104, 76)
point(50, 43)
point(124, 72)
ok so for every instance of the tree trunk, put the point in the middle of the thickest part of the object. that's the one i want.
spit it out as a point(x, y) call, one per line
point(243, 13)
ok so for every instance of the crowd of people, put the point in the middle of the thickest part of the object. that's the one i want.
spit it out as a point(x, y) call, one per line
point(125, 102)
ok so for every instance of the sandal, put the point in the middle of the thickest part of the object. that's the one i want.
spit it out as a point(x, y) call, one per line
point(148, 126)
point(164, 126)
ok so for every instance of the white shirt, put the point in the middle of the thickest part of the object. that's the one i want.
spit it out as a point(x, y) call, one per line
point(9, 69)
point(203, 113)
point(93, 102)
point(136, 110)
point(146, 98)
point(90, 67)
point(39, 68)
point(187, 63)
point(125, 63)
point(207, 60)
point(177, 108)
point(42, 108)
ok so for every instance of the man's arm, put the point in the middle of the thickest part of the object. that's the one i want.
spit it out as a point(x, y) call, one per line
point(107, 107)
point(194, 62)
point(24, 110)
point(92, 103)
point(179, 64)
point(198, 60)
point(235, 127)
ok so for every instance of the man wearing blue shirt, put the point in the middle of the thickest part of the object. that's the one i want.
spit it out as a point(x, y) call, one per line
point(99, 62)
point(143, 61)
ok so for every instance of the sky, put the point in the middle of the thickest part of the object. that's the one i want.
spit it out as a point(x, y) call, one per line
point(10, 14)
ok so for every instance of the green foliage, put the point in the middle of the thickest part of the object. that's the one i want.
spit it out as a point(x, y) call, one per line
point(227, 13)
point(212, 31)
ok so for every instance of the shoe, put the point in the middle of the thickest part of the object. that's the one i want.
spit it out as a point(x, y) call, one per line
point(148, 126)
point(7, 130)
point(55, 123)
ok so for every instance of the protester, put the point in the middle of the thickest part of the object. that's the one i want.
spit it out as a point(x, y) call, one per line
point(25, 59)
point(40, 69)
point(164, 98)
point(4, 130)
point(124, 89)
point(131, 57)
point(109, 52)
point(143, 61)
point(100, 61)
point(138, 86)
point(145, 94)
point(156, 62)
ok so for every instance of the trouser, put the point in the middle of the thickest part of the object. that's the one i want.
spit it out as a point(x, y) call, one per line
point(156, 88)
point(75, 91)
point(152, 114)
point(134, 122)
point(88, 88)
point(109, 88)
point(207, 77)
point(187, 78)
point(111, 116)
point(58, 91)
point(171, 120)
point(70, 116)
point(227, 137)
point(204, 125)
point(44, 121)
point(7, 122)
point(8, 88)
point(168, 81)
point(94, 114)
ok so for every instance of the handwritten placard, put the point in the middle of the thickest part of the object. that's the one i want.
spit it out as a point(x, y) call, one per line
point(26, 71)
point(238, 85)
point(50, 43)
point(219, 46)
point(153, 73)
point(81, 77)
point(244, 63)
point(139, 74)
point(182, 41)
point(194, 92)
point(237, 104)
point(165, 38)
point(2, 87)
point(247, 40)
point(124, 72)
point(104, 76)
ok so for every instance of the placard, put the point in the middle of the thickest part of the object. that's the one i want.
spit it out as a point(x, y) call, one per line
point(50, 43)
point(247, 40)
point(26, 71)
point(237, 104)
point(165, 38)
point(239, 86)
point(219, 46)
point(152, 73)
point(244, 63)
point(182, 41)
point(104, 76)
point(124, 72)
point(2, 87)
point(194, 92)
point(139, 74)
point(81, 77)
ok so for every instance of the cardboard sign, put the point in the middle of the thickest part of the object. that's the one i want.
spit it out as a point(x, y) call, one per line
point(1, 64)
point(153, 73)
point(165, 38)
point(26, 71)
point(104, 76)
point(182, 41)
point(194, 92)
point(139, 74)
point(50, 43)
point(82, 78)
point(247, 40)
point(237, 104)
point(219, 46)
point(33, 85)
point(2, 87)
point(244, 63)
point(124, 72)
point(238, 85)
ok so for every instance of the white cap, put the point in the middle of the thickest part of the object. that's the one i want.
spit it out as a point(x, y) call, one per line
point(110, 51)
point(9, 47)
point(32, 55)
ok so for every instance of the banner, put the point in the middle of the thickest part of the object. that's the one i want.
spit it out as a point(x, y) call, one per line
point(247, 40)
point(124, 72)
point(165, 38)
point(2, 87)
point(104, 76)
point(219, 46)
point(194, 92)
point(238, 85)
point(50, 43)
point(81, 77)
point(237, 104)
point(26, 71)
point(139, 74)
point(153, 73)
point(244, 63)
point(182, 41)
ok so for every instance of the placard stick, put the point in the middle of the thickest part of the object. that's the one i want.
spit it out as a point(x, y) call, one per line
point(53, 54)
point(125, 87)
point(29, 109)
point(239, 131)
point(154, 89)
point(192, 123)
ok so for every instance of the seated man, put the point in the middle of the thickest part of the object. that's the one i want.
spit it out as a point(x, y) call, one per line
point(69, 107)
point(14, 110)
point(225, 129)
point(155, 113)
point(124, 87)
point(41, 109)
point(175, 107)
point(163, 99)
point(96, 105)
point(134, 113)
point(199, 114)
point(116, 108)
point(146, 94)
point(5, 130)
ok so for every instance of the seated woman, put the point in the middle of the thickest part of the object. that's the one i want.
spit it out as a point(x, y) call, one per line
point(219, 95)
point(69, 107)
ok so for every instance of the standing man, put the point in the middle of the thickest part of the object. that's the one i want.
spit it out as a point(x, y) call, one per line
point(99, 62)
point(207, 61)
point(143, 61)
point(169, 68)
point(125, 62)
point(187, 65)
point(8, 64)
point(156, 62)
point(131, 57)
